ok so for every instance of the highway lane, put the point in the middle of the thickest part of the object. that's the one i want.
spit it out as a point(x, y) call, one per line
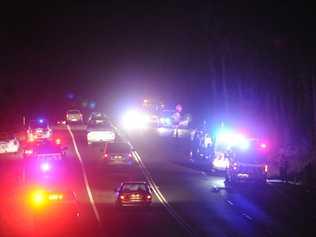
point(104, 178)
point(198, 196)
point(15, 213)
point(202, 199)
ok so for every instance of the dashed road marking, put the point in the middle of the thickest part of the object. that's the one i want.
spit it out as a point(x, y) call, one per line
point(160, 196)
point(155, 189)
point(247, 216)
point(203, 173)
point(230, 202)
point(85, 177)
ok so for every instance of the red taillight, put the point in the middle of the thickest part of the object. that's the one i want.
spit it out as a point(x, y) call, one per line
point(122, 197)
point(106, 156)
point(28, 152)
point(266, 168)
point(148, 197)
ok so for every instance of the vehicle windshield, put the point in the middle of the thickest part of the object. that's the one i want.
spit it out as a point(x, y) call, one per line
point(93, 124)
point(118, 148)
point(134, 187)
point(98, 116)
point(38, 124)
point(73, 112)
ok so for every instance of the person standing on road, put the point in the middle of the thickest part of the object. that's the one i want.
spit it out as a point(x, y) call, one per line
point(195, 145)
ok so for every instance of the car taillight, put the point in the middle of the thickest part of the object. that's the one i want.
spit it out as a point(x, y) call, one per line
point(122, 197)
point(28, 152)
point(106, 156)
point(55, 197)
point(148, 197)
point(41, 197)
point(266, 168)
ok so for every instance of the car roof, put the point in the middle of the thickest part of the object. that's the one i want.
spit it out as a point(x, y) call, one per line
point(73, 111)
point(134, 182)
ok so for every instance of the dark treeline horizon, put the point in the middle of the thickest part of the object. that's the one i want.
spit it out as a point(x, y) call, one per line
point(242, 61)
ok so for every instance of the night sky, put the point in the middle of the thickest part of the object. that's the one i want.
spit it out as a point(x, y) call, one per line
point(214, 57)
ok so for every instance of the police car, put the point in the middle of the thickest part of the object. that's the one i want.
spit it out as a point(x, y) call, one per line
point(38, 130)
point(248, 165)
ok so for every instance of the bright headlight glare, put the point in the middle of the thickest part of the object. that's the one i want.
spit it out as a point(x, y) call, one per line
point(135, 119)
point(221, 163)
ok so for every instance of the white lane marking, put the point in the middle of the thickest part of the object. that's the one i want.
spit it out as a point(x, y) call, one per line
point(160, 196)
point(247, 216)
point(155, 188)
point(85, 177)
point(230, 202)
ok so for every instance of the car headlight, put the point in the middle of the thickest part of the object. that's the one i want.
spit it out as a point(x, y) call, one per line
point(135, 120)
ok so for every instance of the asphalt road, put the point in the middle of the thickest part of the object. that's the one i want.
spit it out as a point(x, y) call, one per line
point(189, 200)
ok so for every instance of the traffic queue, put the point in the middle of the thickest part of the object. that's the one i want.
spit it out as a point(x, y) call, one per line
point(47, 164)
